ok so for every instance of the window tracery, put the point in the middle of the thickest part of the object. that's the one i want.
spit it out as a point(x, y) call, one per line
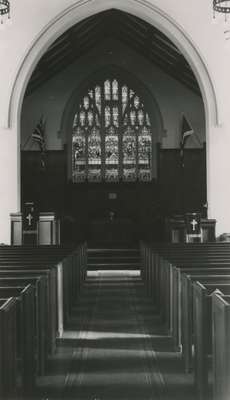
point(112, 135)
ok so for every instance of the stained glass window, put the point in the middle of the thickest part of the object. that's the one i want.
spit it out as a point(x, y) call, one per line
point(112, 135)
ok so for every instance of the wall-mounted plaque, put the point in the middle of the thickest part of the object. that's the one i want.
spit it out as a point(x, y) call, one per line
point(112, 196)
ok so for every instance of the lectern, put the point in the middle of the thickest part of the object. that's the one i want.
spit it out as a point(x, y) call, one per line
point(46, 230)
point(24, 226)
point(30, 224)
point(177, 231)
point(193, 229)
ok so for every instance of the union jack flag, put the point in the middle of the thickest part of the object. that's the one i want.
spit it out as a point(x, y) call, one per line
point(186, 132)
point(38, 134)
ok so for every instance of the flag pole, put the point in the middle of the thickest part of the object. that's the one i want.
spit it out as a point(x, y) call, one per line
point(181, 160)
point(27, 140)
point(197, 138)
point(186, 131)
point(182, 191)
point(38, 136)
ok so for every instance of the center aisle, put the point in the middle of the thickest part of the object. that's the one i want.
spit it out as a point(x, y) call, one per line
point(115, 348)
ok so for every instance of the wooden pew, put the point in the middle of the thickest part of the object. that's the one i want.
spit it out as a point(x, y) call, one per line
point(24, 267)
point(221, 345)
point(70, 272)
point(203, 333)
point(165, 282)
point(202, 275)
point(154, 257)
point(170, 293)
point(41, 333)
point(7, 346)
point(167, 265)
point(49, 275)
point(25, 328)
point(163, 276)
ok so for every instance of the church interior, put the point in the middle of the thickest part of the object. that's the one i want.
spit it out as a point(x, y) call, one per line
point(138, 201)
point(114, 206)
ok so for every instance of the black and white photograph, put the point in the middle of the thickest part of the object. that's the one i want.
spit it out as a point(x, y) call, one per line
point(114, 200)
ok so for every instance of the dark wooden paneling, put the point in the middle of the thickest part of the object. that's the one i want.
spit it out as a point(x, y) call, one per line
point(182, 189)
point(147, 204)
point(45, 187)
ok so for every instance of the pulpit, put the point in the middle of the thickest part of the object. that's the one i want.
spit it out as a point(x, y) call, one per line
point(30, 224)
point(201, 231)
point(26, 229)
point(24, 225)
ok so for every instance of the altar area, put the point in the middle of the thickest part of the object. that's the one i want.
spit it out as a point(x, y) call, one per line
point(108, 230)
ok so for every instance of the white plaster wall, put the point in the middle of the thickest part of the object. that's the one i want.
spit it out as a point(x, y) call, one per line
point(172, 97)
point(30, 18)
point(8, 181)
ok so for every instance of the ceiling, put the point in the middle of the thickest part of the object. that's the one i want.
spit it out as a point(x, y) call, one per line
point(134, 32)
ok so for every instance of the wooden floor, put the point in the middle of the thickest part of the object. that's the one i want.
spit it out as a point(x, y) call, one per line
point(115, 348)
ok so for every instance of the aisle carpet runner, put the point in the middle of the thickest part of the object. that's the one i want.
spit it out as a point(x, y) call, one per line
point(116, 360)
point(115, 348)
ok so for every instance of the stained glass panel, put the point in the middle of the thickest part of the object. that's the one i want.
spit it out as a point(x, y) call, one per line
point(98, 98)
point(144, 154)
point(79, 155)
point(140, 117)
point(129, 154)
point(107, 116)
point(94, 147)
point(111, 150)
point(111, 155)
point(133, 117)
point(129, 146)
point(107, 89)
point(86, 102)
point(136, 102)
point(115, 89)
point(90, 117)
point(124, 95)
point(94, 156)
point(129, 174)
point(82, 118)
point(115, 117)
point(112, 136)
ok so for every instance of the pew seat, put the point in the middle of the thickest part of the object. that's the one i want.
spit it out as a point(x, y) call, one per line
point(40, 282)
point(221, 345)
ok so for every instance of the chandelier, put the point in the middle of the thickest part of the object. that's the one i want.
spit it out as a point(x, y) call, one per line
point(221, 6)
point(4, 9)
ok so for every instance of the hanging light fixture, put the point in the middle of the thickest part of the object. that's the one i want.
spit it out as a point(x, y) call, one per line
point(221, 6)
point(4, 9)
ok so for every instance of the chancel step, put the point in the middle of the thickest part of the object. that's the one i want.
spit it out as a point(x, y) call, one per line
point(113, 265)
point(113, 258)
point(108, 259)
point(117, 252)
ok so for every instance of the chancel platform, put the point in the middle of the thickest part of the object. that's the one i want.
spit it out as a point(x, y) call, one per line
point(109, 230)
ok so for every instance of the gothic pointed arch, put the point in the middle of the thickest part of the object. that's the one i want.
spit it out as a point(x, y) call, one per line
point(77, 12)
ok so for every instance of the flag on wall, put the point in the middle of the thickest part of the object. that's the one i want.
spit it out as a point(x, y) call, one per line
point(186, 132)
point(38, 136)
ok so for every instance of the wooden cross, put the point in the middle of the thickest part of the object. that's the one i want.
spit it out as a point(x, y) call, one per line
point(29, 217)
point(193, 223)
